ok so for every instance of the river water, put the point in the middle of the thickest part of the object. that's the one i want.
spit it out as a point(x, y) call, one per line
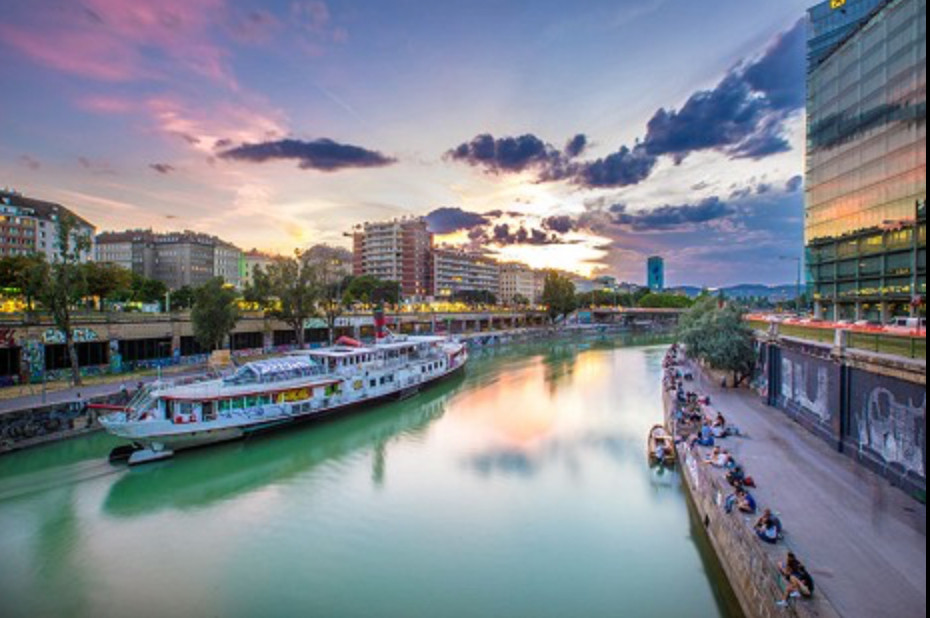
point(520, 489)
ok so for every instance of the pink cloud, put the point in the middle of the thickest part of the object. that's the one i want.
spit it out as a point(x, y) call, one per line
point(103, 104)
point(204, 127)
point(122, 40)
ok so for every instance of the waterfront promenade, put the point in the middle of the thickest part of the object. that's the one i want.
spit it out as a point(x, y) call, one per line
point(862, 539)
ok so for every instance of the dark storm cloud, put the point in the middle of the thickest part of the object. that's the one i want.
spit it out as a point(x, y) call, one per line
point(560, 225)
point(506, 234)
point(795, 184)
point(323, 154)
point(621, 169)
point(671, 217)
point(506, 154)
point(162, 168)
point(744, 116)
point(449, 220)
point(576, 146)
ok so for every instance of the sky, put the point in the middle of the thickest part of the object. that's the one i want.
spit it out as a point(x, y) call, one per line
point(585, 136)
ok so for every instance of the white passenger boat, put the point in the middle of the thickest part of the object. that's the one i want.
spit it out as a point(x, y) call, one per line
point(268, 394)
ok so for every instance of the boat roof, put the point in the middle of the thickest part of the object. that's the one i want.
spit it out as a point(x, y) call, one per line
point(341, 351)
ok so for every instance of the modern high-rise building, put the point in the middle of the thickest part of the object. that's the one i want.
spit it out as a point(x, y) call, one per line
point(398, 250)
point(29, 226)
point(866, 187)
point(456, 271)
point(177, 259)
point(655, 273)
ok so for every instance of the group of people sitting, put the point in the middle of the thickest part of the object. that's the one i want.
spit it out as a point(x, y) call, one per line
point(768, 527)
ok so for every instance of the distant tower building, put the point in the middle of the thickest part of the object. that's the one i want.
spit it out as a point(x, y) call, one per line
point(656, 274)
point(397, 250)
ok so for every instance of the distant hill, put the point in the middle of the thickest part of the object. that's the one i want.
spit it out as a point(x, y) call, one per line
point(774, 293)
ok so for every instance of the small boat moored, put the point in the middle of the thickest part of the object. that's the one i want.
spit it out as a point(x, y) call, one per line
point(661, 446)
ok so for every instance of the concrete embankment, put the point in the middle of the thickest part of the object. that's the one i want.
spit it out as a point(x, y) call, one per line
point(751, 567)
point(863, 539)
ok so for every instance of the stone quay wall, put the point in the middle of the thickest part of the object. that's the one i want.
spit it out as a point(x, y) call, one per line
point(871, 407)
point(751, 566)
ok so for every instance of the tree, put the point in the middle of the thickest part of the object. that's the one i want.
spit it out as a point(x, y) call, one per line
point(519, 300)
point(371, 290)
point(598, 298)
point(475, 297)
point(26, 274)
point(145, 290)
point(182, 299)
point(293, 283)
point(104, 280)
point(328, 266)
point(215, 313)
point(66, 285)
point(655, 300)
point(719, 336)
point(558, 295)
point(259, 292)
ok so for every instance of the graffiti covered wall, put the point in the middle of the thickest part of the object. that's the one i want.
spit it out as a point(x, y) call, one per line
point(810, 389)
point(888, 421)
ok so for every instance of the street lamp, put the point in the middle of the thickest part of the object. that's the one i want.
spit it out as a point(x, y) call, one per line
point(797, 298)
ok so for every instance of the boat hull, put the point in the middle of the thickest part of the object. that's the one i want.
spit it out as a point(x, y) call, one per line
point(162, 446)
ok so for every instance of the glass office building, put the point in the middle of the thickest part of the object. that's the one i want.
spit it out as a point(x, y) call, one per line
point(865, 225)
point(656, 273)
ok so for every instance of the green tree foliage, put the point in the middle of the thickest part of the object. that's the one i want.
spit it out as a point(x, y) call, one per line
point(66, 285)
point(259, 292)
point(294, 283)
point(182, 299)
point(519, 300)
point(719, 336)
point(664, 301)
point(105, 280)
point(598, 298)
point(328, 266)
point(145, 290)
point(215, 313)
point(474, 298)
point(26, 274)
point(558, 295)
point(371, 290)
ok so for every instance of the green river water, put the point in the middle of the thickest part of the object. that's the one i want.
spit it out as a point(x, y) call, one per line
point(519, 489)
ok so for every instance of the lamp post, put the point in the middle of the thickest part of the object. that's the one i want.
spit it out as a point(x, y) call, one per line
point(797, 298)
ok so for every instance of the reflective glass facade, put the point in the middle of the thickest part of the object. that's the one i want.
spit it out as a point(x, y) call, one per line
point(867, 163)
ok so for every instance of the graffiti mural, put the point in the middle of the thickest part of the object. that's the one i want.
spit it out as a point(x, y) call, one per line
point(7, 338)
point(33, 360)
point(809, 384)
point(53, 336)
point(888, 418)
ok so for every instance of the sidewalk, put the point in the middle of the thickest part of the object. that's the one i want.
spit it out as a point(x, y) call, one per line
point(863, 540)
point(83, 393)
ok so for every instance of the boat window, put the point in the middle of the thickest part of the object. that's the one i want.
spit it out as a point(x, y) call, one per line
point(186, 408)
point(251, 401)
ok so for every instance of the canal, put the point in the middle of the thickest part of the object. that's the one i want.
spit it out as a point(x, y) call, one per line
point(518, 490)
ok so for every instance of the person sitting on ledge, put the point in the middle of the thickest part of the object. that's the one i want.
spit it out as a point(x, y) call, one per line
point(720, 426)
point(768, 528)
point(799, 583)
point(715, 458)
point(742, 500)
point(704, 438)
